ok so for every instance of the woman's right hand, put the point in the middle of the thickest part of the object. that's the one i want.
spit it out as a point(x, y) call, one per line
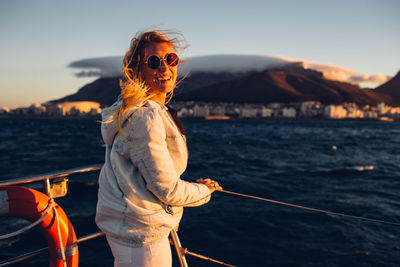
point(211, 184)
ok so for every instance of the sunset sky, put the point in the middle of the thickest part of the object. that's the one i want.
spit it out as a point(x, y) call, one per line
point(39, 39)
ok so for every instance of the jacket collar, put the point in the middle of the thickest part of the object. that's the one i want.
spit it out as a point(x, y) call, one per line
point(153, 104)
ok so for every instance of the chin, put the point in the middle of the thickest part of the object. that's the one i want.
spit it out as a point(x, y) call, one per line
point(166, 88)
point(162, 88)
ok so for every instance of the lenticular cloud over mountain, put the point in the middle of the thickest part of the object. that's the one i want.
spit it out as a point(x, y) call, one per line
point(100, 67)
point(346, 75)
point(234, 63)
point(111, 67)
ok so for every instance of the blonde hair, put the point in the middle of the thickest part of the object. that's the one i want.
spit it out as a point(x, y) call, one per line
point(133, 88)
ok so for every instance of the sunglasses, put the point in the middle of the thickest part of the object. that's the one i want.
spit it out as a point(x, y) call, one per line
point(154, 62)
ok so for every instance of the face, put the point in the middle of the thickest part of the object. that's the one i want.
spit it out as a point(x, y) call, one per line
point(161, 80)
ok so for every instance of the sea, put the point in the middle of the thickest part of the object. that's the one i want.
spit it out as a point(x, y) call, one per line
point(350, 167)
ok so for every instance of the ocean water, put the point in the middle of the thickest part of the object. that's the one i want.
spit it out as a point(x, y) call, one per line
point(350, 167)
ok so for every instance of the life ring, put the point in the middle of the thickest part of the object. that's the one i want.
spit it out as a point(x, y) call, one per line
point(31, 205)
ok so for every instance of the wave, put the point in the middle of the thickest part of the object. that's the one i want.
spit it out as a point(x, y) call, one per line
point(363, 168)
point(339, 171)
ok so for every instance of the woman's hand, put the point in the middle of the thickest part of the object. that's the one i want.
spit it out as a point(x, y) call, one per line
point(212, 185)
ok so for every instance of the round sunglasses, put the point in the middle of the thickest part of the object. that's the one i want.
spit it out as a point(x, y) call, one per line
point(154, 62)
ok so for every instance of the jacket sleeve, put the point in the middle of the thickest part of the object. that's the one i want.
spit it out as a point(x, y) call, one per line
point(149, 152)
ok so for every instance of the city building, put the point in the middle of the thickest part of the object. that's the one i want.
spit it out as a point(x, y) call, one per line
point(4, 110)
point(335, 112)
point(75, 108)
point(201, 111)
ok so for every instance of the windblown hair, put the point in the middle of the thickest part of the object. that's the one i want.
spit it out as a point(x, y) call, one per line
point(133, 88)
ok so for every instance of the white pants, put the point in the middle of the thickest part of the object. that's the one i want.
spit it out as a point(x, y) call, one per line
point(157, 255)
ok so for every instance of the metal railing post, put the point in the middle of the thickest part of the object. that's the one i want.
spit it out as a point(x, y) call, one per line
point(178, 248)
point(47, 187)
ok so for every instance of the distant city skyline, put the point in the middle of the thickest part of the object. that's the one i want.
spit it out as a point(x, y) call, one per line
point(41, 38)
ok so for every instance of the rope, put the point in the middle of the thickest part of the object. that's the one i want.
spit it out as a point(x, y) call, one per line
point(26, 228)
point(205, 258)
point(186, 251)
point(310, 209)
point(59, 239)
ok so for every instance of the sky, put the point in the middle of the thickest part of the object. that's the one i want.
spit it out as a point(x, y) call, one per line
point(39, 39)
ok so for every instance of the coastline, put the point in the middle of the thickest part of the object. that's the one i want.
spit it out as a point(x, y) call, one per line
point(217, 118)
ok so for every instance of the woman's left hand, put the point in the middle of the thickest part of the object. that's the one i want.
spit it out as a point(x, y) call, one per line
point(211, 184)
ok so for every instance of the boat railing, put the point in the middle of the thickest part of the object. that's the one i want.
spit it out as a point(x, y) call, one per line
point(37, 252)
point(47, 178)
point(55, 185)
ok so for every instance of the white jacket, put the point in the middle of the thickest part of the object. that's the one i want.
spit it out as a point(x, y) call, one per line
point(141, 196)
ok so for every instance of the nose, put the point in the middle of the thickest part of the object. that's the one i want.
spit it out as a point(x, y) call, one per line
point(163, 67)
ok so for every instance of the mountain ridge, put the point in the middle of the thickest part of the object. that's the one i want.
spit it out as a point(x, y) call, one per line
point(292, 84)
point(281, 86)
point(391, 88)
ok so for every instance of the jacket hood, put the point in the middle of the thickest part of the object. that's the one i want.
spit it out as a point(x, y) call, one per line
point(109, 116)
point(109, 124)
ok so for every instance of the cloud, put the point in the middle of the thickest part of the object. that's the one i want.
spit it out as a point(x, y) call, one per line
point(377, 78)
point(233, 63)
point(101, 67)
point(330, 71)
point(342, 74)
point(112, 67)
point(89, 73)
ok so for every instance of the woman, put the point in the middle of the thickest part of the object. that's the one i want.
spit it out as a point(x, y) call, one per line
point(141, 195)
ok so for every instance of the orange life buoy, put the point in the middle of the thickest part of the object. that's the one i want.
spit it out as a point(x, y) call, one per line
point(31, 205)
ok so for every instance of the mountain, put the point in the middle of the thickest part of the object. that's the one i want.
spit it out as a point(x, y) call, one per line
point(391, 88)
point(281, 86)
point(201, 78)
point(103, 90)
point(293, 83)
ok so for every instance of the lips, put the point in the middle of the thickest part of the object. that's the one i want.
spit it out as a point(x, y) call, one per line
point(163, 79)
